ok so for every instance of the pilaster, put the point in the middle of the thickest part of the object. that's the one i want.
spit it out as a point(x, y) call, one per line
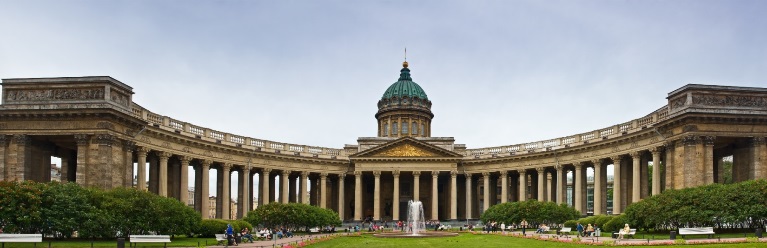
point(83, 141)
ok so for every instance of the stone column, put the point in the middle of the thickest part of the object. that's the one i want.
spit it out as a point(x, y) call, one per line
point(127, 177)
point(468, 195)
point(708, 158)
point(324, 190)
point(617, 190)
point(656, 170)
point(357, 195)
point(561, 180)
point(416, 185)
point(304, 189)
point(163, 175)
point(636, 157)
point(341, 203)
point(265, 186)
point(504, 186)
point(597, 186)
point(522, 185)
point(3, 143)
point(395, 201)
point(578, 191)
point(243, 192)
point(549, 190)
point(83, 141)
point(758, 156)
point(285, 184)
point(434, 196)
point(486, 193)
point(377, 196)
point(141, 167)
point(226, 197)
point(454, 195)
point(541, 184)
point(205, 188)
point(184, 182)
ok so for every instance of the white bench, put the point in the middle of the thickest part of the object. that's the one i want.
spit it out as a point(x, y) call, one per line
point(314, 230)
point(221, 239)
point(565, 231)
point(165, 239)
point(697, 230)
point(631, 233)
point(20, 238)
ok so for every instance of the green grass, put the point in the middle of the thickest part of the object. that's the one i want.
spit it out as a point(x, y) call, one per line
point(176, 242)
point(466, 240)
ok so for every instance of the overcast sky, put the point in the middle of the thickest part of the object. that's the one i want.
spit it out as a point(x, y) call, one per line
point(311, 72)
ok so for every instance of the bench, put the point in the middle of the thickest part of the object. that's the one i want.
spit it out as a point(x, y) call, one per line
point(697, 230)
point(220, 239)
point(20, 238)
point(631, 233)
point(565, 231)
point(165, 239)
point(314, 230)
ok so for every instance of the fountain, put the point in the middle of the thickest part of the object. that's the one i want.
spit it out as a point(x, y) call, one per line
point(415, 227)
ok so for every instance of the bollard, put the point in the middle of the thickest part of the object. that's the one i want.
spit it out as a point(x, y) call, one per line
point(758, 232)
point(672, 236)
point(120, 242)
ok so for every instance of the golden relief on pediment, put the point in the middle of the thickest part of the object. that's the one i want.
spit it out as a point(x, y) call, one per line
point(406, 150)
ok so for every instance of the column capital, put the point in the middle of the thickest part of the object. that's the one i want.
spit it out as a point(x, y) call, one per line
point(287, 172)
point(206, 163)
point(756, 141)
point(504, 173)
point(522, 172)
point(635, 154)
point(142, 150)
point(468, 175)
point(305, 173)
point(341, 176)
point(357, 173)
point(227, 166)
point(616, 159)
point(485, 174)
point(578, 165)
point(434, 173)
point(185, 159)
point(395, 173)
point(597, 162)
point(690, 140)
point(105, 139)
point(416, 173)
point(129, 145)
point(656, 150)
point(164, 155)
point(81, 139)
point(709, 140)
point(266, 170)
point(453, 173)
point(540, 169)
point(324, 175)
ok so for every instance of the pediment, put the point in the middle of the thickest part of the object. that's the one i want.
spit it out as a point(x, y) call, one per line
point(407, 148)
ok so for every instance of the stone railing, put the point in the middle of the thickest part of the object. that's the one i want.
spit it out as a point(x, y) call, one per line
point(572, 140)
point(190, 130)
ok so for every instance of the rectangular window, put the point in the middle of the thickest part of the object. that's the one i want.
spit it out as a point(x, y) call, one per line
point(415, 128)
point(404, 127)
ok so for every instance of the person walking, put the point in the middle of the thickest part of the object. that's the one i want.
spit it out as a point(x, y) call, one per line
point(523, 225)
point(579, 228)
point(230, 235)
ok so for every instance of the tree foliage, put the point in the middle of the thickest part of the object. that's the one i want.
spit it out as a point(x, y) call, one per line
point(741, 205)
point(292, 215)
point(60, 209)
point(533, 211)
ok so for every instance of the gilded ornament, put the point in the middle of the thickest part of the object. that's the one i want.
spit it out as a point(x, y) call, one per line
point(406, 150)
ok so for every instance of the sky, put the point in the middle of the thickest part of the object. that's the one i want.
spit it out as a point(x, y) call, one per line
point(312, 72)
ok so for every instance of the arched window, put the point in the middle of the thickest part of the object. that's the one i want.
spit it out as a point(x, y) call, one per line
point(386, 129)
point(415, 128)
point(394, 128)
point(404, 127)
point(423, 131)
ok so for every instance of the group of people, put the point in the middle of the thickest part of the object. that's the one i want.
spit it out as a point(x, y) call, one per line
point(543, 228)
point(586, 231)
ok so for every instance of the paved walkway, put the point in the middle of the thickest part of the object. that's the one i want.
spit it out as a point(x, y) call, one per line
point(279, 242)
point(638, 240)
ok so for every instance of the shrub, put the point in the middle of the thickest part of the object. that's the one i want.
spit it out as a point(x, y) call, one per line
point(616, 223)
point(571, 223)
point(210, 227)
point(534, 212)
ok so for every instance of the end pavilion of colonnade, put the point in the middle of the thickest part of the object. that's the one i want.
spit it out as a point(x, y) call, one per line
point(99, 133)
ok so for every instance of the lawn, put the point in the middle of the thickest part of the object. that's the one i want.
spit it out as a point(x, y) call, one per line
point(466, 240)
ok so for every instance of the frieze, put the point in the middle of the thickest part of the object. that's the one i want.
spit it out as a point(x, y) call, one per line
point(406, 150)
point(166, 145)
point(730, 101)
point(678, 103)
point(3, 125)
point(55, 94)
point(119, 98)
point(145, 139)
point(105, 125)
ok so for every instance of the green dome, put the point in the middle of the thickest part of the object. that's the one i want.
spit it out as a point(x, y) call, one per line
point(404, 87)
